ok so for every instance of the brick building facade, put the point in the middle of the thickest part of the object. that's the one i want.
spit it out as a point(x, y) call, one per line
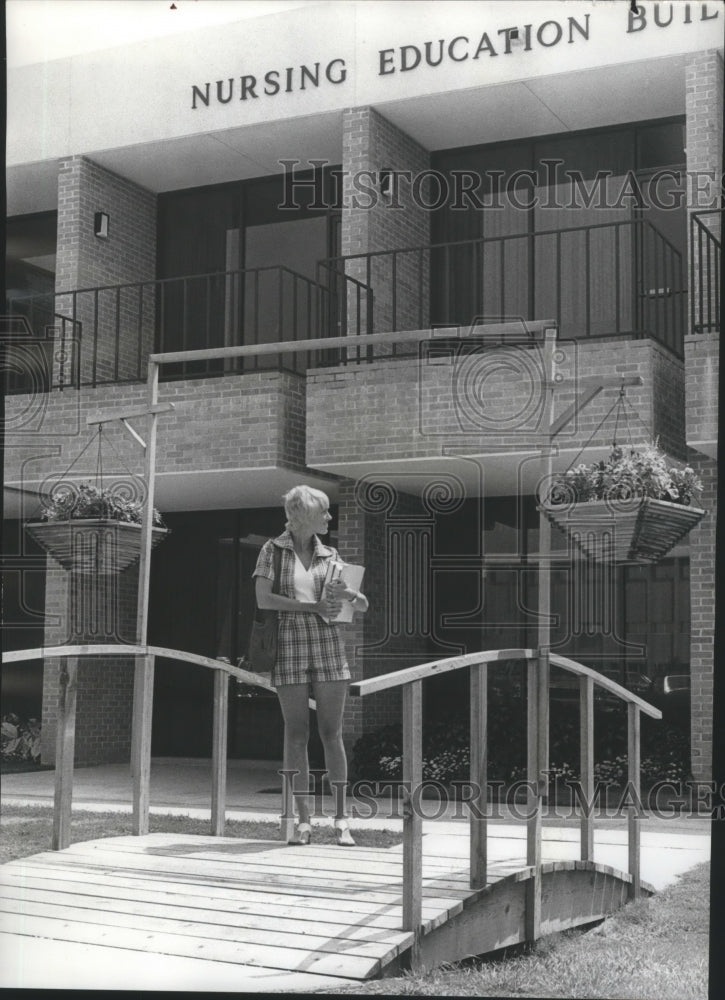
point(425, 204)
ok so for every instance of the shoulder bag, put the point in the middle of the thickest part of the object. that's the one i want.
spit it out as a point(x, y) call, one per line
point(262, 650)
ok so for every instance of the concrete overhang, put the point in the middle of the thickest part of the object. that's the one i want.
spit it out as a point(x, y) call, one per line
point(558, 103)
point(227, 489)
point(495, 473)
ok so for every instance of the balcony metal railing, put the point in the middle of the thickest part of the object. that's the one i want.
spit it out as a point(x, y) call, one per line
point(705, 270)
point(114, 328)
point(609, 279)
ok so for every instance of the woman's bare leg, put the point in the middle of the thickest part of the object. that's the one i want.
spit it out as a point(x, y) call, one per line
point(330, 698)
point(293, 699)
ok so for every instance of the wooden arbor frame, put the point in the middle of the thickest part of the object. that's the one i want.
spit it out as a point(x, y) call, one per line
point(537, 671)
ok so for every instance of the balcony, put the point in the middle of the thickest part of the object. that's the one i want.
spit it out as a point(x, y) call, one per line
point(621, 279)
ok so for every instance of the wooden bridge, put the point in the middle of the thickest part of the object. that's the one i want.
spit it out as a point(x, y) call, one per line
point(324, 911)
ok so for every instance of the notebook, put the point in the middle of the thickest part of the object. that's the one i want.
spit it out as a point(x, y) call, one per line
point(352, 575)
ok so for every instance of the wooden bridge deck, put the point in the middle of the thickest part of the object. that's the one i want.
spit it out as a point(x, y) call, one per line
point(321, 910)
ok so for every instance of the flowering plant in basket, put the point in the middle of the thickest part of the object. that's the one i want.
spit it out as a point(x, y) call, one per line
point(627, 473)
point(88, 501)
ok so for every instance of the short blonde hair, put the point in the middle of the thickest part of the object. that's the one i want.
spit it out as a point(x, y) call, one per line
point(299, 502)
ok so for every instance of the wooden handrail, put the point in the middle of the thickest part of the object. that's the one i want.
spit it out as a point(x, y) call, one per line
point(605, 682)
point(141, 749)
point(434, 668)
point(410, 679)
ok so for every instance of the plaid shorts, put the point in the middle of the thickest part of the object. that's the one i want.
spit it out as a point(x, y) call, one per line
point(309, 649)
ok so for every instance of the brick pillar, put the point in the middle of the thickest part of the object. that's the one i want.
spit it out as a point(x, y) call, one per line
point(388, 531)
point(86, 610)
point(702, 604)
point(704, 109)
point(371, 222)
point(116, 327)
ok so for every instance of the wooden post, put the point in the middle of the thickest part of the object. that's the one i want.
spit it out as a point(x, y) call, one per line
point(287, 819)
point(412, 820)
point(479, 774)
point(143, 693)
point(539, 669)
point(586, 766)
point(633, 766)
point(219, 753)
point(532, 918)
point(65, 753)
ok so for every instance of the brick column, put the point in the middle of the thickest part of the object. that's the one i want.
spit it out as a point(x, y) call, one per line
point(117, 328)
point(704, 141)
point(702, 613)
point(87, 610)
point(704, 109)
point(370, 143)
point(373, 520)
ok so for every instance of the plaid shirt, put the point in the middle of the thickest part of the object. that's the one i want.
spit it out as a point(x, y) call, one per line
point(308, 648)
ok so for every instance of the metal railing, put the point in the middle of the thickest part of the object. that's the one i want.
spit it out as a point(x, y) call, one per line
point(411, 680)
point(608, 279)
point(116, 327)
point(705, 270)
point(40, 353)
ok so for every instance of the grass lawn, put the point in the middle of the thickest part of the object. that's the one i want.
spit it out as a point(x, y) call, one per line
point(26, 830)
point(655, 949)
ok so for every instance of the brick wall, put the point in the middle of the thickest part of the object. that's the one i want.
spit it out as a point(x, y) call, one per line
point(704, 110)
point(87, 261)
point(248, 421)
point(371, 143)
point(402, 409)
point(702, 614)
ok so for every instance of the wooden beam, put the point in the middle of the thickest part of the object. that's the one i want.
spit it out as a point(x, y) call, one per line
point(479, 775)
point(592, 385)
point(141, 743)
point(65, 753)
point(586, 766)
point(494, 330)
point(532, 917)
point(139, 410)
point(144, 673)
point(412, 819)
point(633, 829)
point(219, 753)
point(133, 434)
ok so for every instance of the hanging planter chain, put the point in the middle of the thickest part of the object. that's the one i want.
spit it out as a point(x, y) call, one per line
point(100, 544)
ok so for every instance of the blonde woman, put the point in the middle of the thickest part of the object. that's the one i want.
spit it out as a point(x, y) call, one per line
point(311, 651)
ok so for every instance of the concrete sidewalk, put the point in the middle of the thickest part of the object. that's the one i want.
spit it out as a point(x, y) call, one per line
point(182, 786)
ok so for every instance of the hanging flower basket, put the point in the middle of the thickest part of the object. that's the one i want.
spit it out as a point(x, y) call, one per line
point(627, 508)
point(91, 530)
point(93, 545)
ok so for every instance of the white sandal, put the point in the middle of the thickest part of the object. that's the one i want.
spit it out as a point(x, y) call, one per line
point(302, 834)
point(342, 834)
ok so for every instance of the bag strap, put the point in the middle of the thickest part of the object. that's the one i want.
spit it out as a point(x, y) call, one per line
point(276, 563)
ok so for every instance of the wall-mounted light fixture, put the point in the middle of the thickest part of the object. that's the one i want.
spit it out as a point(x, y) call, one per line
point(385, 181)
point(100, 225)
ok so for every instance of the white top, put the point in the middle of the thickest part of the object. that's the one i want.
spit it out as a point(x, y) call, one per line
point(304, 583)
